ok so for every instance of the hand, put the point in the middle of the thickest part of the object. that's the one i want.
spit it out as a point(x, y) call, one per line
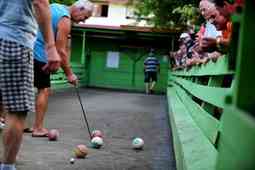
point(72, 79)
point(204, 60)
point(171, 54)
point(214, 56)
point(208, 43)
point(53, 60)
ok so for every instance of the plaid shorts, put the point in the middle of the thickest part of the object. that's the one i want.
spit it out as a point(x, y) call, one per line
point(16, 77)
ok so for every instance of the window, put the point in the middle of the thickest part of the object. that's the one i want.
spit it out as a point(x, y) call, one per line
point(104, 11)
point(101, 10)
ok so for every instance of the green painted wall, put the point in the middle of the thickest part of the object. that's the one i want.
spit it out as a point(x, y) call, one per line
point(89, 58)
point(129, 75)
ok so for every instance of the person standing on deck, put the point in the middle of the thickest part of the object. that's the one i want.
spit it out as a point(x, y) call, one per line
point(18, 27)
point(62, 18)
point(151, 68)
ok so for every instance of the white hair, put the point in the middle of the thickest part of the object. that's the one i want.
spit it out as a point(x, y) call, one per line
point(87, 5)
point(207, 4)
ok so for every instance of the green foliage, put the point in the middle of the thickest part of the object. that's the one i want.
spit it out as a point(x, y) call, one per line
point(187, 13)
point(167, 13)
point(66, 2)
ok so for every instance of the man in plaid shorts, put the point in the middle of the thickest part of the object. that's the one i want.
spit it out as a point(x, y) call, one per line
point(18, 29)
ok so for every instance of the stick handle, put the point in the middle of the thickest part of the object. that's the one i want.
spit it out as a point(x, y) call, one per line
point(83, 111)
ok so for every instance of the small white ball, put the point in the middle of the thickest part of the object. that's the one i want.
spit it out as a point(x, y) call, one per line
point(72, 160)
point(137, 143)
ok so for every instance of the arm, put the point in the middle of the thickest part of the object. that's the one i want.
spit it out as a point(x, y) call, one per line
point(43, 16)
point(221, 42)
point(144, 65)
point(62, 44)
point(158, 66)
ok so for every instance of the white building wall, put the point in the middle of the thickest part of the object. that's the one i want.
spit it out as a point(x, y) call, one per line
point(116, 17)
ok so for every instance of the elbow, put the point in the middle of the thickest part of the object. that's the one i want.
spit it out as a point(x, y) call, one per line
point(41, 10)
point(41, 4)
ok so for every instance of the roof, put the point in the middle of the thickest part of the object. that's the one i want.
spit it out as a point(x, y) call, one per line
point(129, 28)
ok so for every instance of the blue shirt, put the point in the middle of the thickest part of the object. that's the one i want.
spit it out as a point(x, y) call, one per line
point(58, 11)
point(151, 63)
point(17, 22)
point(211, 31)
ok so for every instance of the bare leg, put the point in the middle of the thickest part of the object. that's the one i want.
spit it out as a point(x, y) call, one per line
point(147, 88)
point(152, 85)
point(12, 137)
point(40, 108)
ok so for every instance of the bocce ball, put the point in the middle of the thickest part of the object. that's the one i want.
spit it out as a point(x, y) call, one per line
point(97, 142)
point(137, 143)
point(97, 133)
point(81, 151)
point(53, 135)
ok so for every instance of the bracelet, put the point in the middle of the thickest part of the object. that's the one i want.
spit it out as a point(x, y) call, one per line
point(50, 46)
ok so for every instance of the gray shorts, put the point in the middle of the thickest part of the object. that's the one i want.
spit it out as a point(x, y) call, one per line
point(16, 77)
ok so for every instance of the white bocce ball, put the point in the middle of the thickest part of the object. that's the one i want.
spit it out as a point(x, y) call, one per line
point(97, 142)
point(137, 143)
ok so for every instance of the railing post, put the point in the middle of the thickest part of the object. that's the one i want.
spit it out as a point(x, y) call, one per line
point(236, 142)
point(244, 89)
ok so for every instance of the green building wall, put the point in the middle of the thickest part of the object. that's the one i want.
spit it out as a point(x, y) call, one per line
point(89, 58)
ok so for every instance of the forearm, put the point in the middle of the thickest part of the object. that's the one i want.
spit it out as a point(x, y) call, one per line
point(43, 17)
point(222, 43)
point(225, 42)
point(65, 63)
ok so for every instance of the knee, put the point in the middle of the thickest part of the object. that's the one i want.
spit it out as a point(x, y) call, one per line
point(44, 91)
point(16, 119)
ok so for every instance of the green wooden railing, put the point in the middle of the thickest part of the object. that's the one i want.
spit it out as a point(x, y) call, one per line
point(195, 98)
point(212, 107)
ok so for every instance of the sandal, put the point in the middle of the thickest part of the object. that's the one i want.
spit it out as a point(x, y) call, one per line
point(42, 133)
point(39, 135)
point(28, 130)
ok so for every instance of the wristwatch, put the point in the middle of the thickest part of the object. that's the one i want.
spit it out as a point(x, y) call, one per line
point(218, 42)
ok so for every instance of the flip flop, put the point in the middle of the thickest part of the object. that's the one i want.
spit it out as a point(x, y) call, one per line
point(39, 135)
point(28, 130)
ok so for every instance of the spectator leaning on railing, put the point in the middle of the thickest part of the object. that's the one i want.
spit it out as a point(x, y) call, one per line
point(207, 29)
point(180, 56)
point(221, 19)
point(212, 39)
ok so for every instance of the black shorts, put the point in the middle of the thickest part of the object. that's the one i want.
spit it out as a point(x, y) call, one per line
point(41, 78)
point(150, 76)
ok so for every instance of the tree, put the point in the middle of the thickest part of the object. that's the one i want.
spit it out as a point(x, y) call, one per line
point(166, 13)
point(66, 2)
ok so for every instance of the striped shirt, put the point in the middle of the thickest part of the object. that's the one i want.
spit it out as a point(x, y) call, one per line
point(150, 64)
